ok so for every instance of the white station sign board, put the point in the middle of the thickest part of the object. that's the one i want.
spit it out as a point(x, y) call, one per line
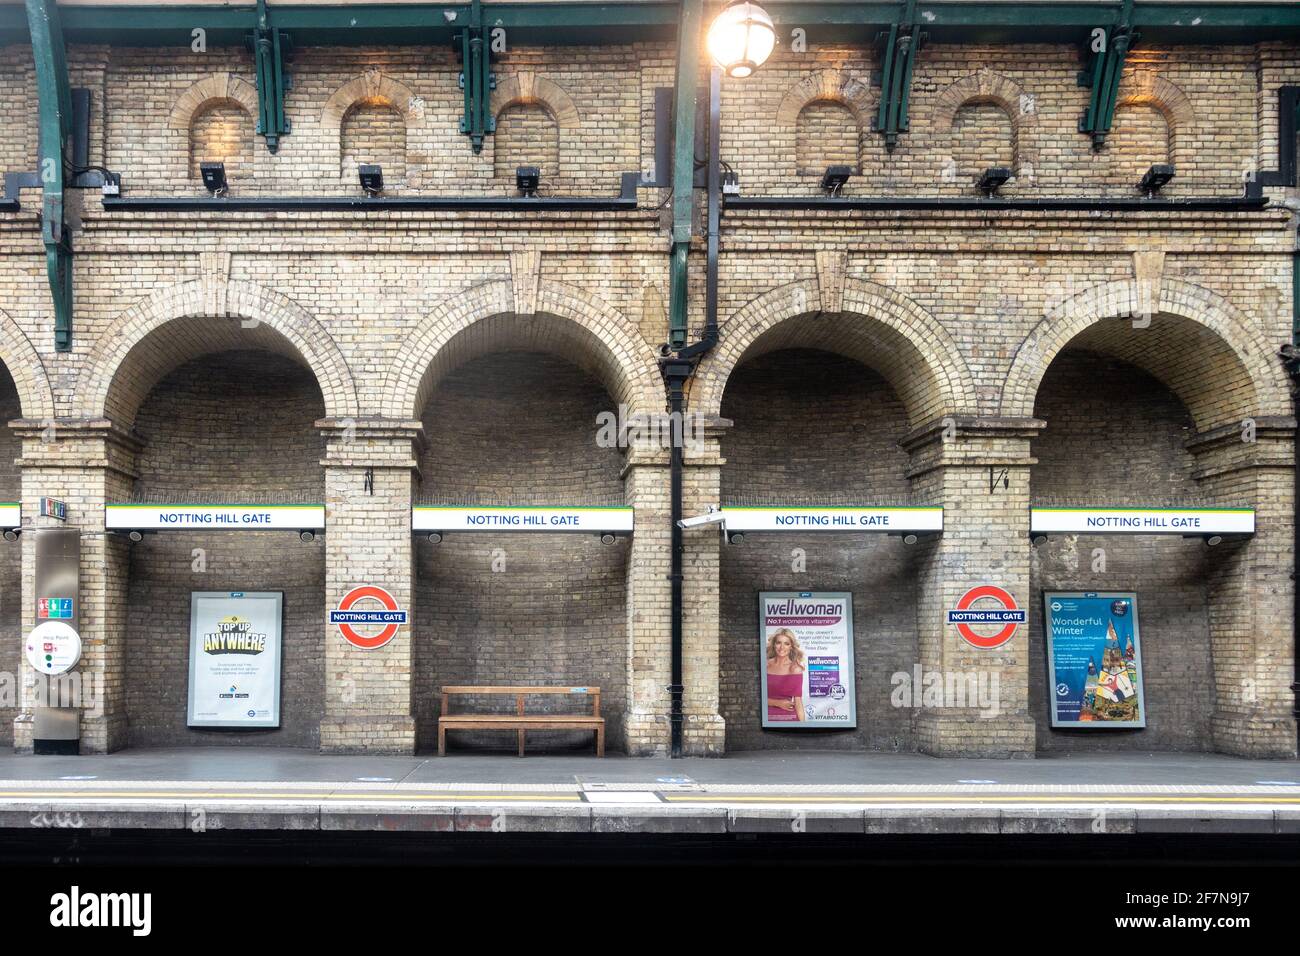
point(918, 519)
point(53, 647)
point(11, 514)
point(137, 517)
point(1186, 521)
point(594, 520)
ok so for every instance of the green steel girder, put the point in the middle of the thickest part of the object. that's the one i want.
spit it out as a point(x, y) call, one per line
point(684, 107)
point(901, 45)
point(1103, 75)
point(270, 52)
point(946, 21)
point(55, 109)
point(474, 46)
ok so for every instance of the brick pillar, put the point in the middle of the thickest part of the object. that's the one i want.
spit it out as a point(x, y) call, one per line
point(649, 625)
point(704, 733)
point(1251, 590)
point(370, 465)
point(985, 541)
point(83, 463)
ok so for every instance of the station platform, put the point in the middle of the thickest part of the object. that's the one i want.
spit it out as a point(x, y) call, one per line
point(830, 792)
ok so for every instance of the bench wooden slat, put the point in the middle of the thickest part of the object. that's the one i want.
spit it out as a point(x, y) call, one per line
point(520, 721)
point(524, 689)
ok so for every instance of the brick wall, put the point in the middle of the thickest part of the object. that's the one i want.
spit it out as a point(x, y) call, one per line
point(519, 428)
point(233, 427)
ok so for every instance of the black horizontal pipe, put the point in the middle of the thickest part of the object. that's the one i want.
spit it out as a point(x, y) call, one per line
point(366, 203)
point(1252, 200)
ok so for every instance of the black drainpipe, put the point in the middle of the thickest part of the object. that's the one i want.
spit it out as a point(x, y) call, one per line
point(677, 371)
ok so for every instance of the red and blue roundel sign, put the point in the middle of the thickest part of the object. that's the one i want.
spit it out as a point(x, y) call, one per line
point(1000, 608)
point(387, 614)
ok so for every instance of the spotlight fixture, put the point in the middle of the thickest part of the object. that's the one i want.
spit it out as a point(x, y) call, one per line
point(741, 38)
point(909, 539)
point(307, 536)
point(527, 179)
point(214, 178)
point(834, 179)
point(1039, 539)
point(135, 536)
point(606, 538)
point(1213, 540)
point(1155, 178)
point(737, 537)
point(435, 536)
point(11, 534)
point(372, 178)
point(993, 179)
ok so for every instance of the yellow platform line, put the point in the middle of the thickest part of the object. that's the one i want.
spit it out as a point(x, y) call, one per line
point(271, 796)
point(979, 798)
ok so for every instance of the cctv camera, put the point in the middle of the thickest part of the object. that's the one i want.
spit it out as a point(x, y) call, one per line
point(712, 516)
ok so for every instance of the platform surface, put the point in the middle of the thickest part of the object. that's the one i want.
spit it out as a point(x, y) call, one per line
point(258, 789)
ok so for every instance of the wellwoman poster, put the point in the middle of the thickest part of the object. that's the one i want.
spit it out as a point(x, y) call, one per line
point(235, 658)
point(806, 659)
point(1094, 659)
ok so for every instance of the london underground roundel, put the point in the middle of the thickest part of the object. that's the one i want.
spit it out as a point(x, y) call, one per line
point(998, 607)
point(365, 606)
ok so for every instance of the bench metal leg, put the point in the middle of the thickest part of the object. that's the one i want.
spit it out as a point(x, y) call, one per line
point(521, 742)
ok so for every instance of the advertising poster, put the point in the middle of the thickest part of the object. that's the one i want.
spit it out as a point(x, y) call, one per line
point(806, 659)
point(1094, 660)
point(235, 658)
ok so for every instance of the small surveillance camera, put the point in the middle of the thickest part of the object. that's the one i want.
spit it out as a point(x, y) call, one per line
point(712, 516)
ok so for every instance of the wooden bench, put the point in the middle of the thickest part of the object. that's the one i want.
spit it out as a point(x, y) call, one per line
point(519, 721)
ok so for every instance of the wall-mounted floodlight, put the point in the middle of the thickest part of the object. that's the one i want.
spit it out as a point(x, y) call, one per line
point(135, 536)
point(214, 178)
point(741, 38)
point(1156, 178)
point(607, 538)
point(910, 539)
point(737, 537)
point(993, 179)
point(306, 537)
point(1213, 540)
point(528, 179)
point(11, 534)
point(1038, 539)
point(372, 178)
point(435, 536)
point(834, 178)
point(712, 516)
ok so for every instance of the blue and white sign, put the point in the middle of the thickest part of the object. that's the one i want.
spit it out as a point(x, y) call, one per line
point(145, 517)
point(1187, 521)
point(1094, 660)
point(594, 520)
point(887, 519)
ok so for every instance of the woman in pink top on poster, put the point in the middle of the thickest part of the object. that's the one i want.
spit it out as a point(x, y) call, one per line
point(784, 676)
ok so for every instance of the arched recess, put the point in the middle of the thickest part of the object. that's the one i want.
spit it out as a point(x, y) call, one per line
point(811, 114)
point(1150, 90)
point(985, 88)
point(27, 370)
point(1196, 343)
point(216, 94)
point(876, 326)
point(545, 121)
point(370, 89)
point(568, 322)
point(201, 317)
